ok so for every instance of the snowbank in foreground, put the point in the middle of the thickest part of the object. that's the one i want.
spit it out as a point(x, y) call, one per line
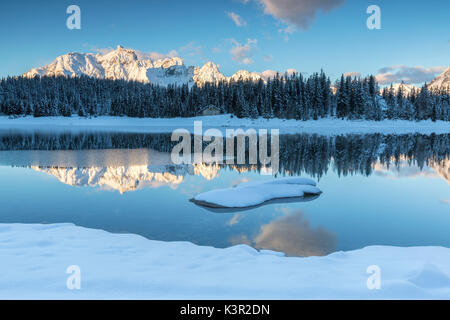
point(254, 193)
point(328, 126)
point(34, 260)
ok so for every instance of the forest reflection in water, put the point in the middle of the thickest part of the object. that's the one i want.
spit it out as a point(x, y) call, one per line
point(137, 167)
point(299, 153)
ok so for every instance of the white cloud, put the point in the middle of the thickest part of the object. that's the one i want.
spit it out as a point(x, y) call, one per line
point(293, 235)
point(409, 75)
point(352, 74)
point(289, 29)
point(237, 19)
point(104, 51)
point(192, 49)
point(268, 57)
point(156, 55)
point(96, 49)
point(234, 219)
point(243, 53)
point(297, 13)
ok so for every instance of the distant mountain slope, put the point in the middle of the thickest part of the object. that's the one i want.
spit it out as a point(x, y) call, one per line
point(131, 65)
point(118, 64)
point(128, 64)
point(442, 81)
point(406, 88)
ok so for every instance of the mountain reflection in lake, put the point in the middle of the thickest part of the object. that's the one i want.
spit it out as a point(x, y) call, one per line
point(378, 190)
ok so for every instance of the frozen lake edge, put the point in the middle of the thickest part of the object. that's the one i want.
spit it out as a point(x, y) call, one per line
point(327, 126)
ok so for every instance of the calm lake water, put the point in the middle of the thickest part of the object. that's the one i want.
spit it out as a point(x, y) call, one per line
point(377, 190)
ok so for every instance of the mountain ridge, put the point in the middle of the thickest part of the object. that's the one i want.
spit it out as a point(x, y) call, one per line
point(132, 65)
point(128, 64)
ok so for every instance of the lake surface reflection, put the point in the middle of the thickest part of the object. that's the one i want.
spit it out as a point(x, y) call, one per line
point(377, 190)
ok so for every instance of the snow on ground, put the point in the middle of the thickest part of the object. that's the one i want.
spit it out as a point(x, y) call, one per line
point(254, 193)
point(34, 259)
point(329, 126)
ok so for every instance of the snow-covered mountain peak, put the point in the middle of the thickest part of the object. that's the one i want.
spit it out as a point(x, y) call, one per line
point(246, 75)
point(122, 63)
point(211, 65)
point(71, 64)
point(406, 88)
point(209, 72)
point(442, 81)
point(211, 68)
point(132, 65)
point(120, 55)
point(168, 62)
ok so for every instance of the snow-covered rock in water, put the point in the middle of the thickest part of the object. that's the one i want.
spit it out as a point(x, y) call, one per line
point(35, 257)
point(254, 193)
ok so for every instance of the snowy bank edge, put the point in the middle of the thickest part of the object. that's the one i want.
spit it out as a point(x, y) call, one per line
point(176, 270)
point(327, 126)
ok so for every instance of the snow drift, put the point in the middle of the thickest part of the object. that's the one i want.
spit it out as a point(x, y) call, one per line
point(254, 193)
point(34, 260)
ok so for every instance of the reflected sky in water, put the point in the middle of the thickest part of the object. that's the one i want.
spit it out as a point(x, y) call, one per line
point(405, 203)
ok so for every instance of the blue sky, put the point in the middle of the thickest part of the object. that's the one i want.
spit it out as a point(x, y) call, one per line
point(413, 43)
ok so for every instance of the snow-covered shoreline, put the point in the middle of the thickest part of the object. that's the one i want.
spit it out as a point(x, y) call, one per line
point(327, 126)
point(34, 259)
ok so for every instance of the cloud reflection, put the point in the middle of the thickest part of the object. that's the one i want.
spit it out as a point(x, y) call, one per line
point(293, 235)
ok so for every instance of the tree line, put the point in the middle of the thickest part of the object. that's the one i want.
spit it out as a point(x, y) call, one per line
point(283, 96)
